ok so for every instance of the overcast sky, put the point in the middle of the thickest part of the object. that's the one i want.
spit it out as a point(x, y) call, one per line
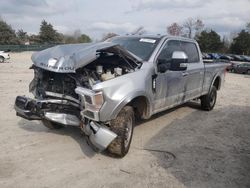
point(123, 16)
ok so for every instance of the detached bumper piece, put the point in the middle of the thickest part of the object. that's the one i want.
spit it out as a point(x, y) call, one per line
point(24, 106)
point(60, 111)
point(99, 136)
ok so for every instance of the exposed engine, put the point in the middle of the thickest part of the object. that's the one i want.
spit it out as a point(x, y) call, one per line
point(106, 67)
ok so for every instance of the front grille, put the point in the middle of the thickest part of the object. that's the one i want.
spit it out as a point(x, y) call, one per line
point(57, 83)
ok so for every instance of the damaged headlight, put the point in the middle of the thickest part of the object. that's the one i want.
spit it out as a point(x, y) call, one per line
point(92, 102)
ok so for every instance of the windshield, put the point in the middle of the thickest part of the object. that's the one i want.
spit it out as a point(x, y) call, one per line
point(142, 47)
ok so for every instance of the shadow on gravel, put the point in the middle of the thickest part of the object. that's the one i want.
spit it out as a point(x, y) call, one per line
point(206, 149)
point(74, 132)
point(192, 104)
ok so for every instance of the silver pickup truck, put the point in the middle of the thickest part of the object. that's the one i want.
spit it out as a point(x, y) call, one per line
point(103, 87)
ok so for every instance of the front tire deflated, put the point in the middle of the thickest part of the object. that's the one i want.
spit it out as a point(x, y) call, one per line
point(123, 126)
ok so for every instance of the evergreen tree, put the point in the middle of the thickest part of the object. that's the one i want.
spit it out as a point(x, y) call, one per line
point(210, 41)
point(84, 39)
point(48, 34)
point(241, 44)
point(7, 34)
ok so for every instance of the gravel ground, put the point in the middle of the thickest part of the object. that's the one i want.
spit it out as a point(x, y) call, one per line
point(183, 147)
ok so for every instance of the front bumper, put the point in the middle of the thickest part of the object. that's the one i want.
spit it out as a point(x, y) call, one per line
point(34, 109)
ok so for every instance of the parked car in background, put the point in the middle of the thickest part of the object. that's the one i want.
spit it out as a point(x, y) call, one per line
point(226, 57)
point(243, 68)
point(246, 58)
point(3, 56)
point(237, 58)
point(232, 66)
point(206, 56)
point(214, 56)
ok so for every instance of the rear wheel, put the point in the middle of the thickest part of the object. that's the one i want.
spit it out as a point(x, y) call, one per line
point(123, 126)
point(51, 125)
point(208, 101)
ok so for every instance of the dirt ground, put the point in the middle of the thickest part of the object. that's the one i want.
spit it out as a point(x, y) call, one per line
point(184, 147)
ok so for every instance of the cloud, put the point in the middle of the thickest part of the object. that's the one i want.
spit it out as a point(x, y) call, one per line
point(97, 17)
point(114, 27)
point(167, 4)
point(35, 8)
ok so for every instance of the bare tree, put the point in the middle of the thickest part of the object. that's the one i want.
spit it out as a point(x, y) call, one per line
point(22, 36)
point(77, 33)
point(174, 29)
point(188, 25)
point(193, 27)
point(138, 31)
point(199, 26)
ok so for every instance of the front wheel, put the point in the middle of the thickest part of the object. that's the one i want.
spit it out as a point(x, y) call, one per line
point(208, 101)
point(123, 126)
point(51, 125)
point(1, 59)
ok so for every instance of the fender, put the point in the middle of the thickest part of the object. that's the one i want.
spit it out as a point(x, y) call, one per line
point(213, 80)
point(128, 99)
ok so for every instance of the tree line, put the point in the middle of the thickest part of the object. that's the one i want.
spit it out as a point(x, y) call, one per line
point(208, 39)
point(47, 35)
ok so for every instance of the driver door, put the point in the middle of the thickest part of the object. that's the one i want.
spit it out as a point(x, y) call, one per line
point(169, 85)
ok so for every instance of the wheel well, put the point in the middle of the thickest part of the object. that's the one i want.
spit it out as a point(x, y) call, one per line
point(141, 107)
point(217, 83)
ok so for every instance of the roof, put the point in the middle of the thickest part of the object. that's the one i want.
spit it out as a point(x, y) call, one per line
point(157, 36)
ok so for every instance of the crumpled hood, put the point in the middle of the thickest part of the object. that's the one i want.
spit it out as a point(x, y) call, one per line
point(68, 58)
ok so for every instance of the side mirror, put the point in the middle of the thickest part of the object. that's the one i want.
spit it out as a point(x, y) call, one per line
point(179, 61)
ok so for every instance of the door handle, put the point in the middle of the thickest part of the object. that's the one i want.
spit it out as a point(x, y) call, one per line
point(185, 74)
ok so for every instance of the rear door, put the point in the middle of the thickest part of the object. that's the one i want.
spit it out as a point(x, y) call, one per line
point(195, 71)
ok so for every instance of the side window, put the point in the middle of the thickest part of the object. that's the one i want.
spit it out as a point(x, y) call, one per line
point(191, 50)
point(168, 49)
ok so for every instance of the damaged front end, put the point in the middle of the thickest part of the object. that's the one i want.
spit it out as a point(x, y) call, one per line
point(63, 82)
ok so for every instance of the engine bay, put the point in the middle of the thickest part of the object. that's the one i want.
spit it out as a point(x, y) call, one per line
point(107, 66)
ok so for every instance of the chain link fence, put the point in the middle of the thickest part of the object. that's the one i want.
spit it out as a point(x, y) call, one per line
point(21, 48)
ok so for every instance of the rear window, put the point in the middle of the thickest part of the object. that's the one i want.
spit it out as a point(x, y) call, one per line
point(191, 50)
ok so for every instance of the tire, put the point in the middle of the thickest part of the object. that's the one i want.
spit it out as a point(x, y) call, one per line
point(1, 59)
point(208, 101)
point(233, 71)
point(248, 72)
point(51, 125)
point(123, 126)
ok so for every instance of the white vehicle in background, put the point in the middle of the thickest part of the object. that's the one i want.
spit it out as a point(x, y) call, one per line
point(4, 55)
